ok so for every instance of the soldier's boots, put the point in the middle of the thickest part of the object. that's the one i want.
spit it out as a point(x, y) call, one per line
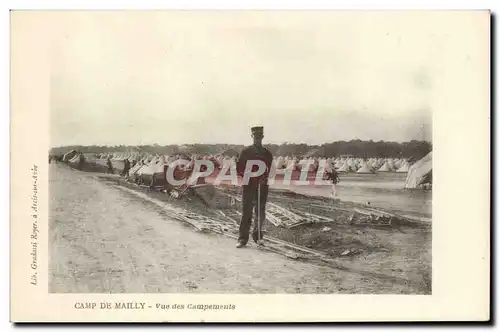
point(256, 240)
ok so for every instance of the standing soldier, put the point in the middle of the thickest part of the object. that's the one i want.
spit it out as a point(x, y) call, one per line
point(110, 165)
point(255, 192)
point(81, 161)
point(333, 176)
point(126, 167)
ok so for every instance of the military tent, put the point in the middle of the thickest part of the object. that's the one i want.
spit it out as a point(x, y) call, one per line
point(420, 173)
point(386, 167)
point(344, 168)
point(404, 168)
point(364, 169)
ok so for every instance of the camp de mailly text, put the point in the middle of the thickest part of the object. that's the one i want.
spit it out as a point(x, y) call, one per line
point(143, 305)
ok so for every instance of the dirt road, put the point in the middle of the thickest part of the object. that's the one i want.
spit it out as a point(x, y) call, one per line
point(104, 240)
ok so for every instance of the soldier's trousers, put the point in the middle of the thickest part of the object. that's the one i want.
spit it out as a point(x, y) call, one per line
point(249, 200)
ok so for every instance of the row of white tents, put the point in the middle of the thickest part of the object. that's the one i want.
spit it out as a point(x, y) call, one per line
point(418, 174)
point(350, 165)
point(344, 165)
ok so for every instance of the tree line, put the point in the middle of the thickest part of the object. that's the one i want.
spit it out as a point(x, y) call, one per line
point(355, 148)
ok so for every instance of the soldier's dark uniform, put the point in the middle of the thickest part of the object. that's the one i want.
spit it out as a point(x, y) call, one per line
point(250, 190)
point(126, 167)
point(110, 166)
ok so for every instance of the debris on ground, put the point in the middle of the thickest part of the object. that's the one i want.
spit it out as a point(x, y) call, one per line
point(174, 194)
point(345, 253)
point(297, 225)
point(293, 224)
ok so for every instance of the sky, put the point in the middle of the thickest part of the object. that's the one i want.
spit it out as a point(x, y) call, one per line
point(206, 77)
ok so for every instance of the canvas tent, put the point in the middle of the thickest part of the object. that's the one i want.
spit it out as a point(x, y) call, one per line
point(405, 167)
point(420, 173)
point(385, 168)
point(152, 172)
point(344, 168)
point(364, 169)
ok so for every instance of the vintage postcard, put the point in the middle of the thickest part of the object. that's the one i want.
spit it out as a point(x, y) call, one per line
point(250, 166)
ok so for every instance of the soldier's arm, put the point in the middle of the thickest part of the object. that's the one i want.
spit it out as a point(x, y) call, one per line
point(269, 161)
point(242, 162)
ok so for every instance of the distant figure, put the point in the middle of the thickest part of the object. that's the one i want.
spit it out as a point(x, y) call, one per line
point(110, 166)
point(126, 167)
point(334, 177)
point(81, 161)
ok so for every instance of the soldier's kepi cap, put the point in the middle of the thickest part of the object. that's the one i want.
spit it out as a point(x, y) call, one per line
point(257, 130)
